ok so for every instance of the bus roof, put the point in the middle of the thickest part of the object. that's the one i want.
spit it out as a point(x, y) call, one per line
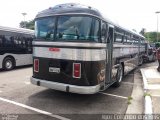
point(76, 8)
point(17, 30)
point(70, 8)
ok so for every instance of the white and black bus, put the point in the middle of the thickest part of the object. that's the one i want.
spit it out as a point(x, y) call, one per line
point(15, 47)
point(77, 50)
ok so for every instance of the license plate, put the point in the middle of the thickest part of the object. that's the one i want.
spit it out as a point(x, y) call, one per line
point(54, 70)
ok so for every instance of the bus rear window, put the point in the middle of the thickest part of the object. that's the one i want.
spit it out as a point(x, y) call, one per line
point(44, 28)
point(77, 28)
point(68, 28)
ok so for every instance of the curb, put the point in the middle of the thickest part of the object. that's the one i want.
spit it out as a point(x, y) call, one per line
point(148, 101)
point(137, 94)
point(145, 85)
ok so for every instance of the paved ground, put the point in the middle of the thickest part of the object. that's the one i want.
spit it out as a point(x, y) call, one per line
point(152, 85)
point(19, 97)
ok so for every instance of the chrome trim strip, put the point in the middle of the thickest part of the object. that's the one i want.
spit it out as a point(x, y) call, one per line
point(127, 45)
point(70, 44)
point(63, 87)
point(71, 54)
point(76, 44)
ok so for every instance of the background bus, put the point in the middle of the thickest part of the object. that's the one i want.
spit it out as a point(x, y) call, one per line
point(15, 47)
point(150, 54)
point(77, 50)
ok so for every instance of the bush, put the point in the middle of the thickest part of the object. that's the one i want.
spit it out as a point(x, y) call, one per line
point(157, 44)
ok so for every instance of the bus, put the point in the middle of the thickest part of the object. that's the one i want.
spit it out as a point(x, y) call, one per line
point(15, 47)
point(150, 55)
point(77, 50)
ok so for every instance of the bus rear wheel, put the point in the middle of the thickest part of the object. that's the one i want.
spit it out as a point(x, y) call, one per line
point(140, 62)
point(8, 63)
point(119, 76)
point(154, 58)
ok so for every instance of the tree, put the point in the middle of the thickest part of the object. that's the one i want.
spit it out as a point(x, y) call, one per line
point(152, 36)
point(27, 24)
point(143, 31)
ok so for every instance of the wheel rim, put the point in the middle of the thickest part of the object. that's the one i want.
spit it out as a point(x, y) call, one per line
point(8, 64)
point(119, 74)
point(141, 60)
point(154, 57)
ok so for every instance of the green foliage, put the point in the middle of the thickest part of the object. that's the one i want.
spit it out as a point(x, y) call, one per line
point(157, 44)
point(147, 94)
point(27, 24)
point(143, 31)
point(152, 36)
point(129, 100)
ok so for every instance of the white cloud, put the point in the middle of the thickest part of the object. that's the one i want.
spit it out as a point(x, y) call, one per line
point(133, 14)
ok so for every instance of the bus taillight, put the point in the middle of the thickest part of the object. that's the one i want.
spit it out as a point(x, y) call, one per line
point(76, 70)
point(36, 65)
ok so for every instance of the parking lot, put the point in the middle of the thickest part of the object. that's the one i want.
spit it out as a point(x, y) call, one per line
point(19, 98)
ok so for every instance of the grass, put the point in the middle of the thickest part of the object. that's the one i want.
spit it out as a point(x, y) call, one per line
point(129, 100)
point(147, 94)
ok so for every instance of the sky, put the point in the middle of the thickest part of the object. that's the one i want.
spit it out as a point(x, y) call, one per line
point(131, 14)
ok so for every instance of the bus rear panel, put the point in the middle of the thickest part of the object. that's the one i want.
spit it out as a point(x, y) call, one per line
point(68, 66)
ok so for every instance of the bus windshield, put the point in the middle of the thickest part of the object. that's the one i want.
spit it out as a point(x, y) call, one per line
point(68, 28)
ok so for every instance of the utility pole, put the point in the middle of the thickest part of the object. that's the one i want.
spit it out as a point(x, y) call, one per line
point(24, 14)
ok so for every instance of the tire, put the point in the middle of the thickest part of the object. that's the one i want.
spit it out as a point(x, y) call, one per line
point(8, 63)
point(140, 61)
point(119, 76)
point(154, 58)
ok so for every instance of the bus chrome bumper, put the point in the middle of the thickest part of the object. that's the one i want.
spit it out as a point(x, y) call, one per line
point(66, 87)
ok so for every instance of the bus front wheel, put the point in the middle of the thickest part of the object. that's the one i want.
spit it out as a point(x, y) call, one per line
point(8, 63)
point(119, 76)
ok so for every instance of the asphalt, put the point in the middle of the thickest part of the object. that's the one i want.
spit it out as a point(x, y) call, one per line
point(18, 97)
point(15, 88)
point(151, 86)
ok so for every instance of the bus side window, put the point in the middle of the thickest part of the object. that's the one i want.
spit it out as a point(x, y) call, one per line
point(104, 32)
point(8, 41)
point(118, 38)
point(15, 41)
point(19, 42)
point(124, 39)
point(136, 41)
point(29, 44)
point(1, 41)
point(95, 32)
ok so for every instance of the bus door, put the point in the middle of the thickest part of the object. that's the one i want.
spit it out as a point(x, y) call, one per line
point(109, 54)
